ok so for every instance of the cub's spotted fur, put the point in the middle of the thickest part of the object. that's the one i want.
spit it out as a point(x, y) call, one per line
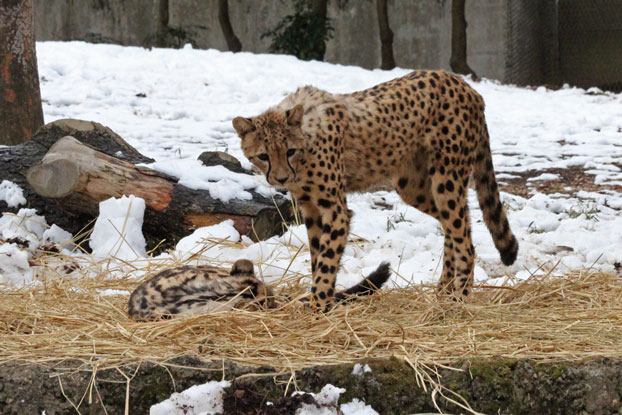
point(200, 289)
point(425, 132)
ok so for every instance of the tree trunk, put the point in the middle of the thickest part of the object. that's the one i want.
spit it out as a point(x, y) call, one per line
point(458, 61)
point(162, 27)
point(319, 8)
point(233, 43)
point(20, 98)
point(71, 186)
point(386, 35)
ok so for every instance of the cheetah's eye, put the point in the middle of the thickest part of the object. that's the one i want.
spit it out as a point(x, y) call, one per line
point(291, 152)
point(263, 157)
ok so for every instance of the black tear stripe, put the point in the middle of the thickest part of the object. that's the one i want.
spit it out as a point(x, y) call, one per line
point(290, 167)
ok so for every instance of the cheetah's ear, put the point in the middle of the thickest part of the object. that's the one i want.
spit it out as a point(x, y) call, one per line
point(243, 125)
point(294, 116)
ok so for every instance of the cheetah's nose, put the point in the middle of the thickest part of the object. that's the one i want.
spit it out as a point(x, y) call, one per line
point(281, 180)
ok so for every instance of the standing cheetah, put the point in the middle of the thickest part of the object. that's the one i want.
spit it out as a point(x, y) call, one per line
point(426, 132)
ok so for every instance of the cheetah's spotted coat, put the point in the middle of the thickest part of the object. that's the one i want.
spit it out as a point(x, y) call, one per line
point(426, 132)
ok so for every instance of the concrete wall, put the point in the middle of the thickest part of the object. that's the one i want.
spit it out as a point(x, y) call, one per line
point(422, 28)
point(126, 22)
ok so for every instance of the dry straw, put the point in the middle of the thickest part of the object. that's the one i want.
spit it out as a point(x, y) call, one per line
point(546, 317)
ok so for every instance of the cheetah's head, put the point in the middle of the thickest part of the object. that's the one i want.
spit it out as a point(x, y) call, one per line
point(274, 142)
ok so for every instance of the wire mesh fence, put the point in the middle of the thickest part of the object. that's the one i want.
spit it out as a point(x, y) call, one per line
point(559, 41)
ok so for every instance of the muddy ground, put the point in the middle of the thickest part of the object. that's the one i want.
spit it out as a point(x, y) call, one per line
point(491, 386)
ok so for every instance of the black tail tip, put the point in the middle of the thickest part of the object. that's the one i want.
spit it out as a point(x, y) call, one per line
point(369, 285)
point(508, 255)
point(379, 277)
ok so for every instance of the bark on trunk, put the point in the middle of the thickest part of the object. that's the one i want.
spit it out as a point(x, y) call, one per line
point(386, 35)
point(233, 43)
point(20, 98)
point(319, 8)
point(162, 23)
point(73, 177)
point(458, 60)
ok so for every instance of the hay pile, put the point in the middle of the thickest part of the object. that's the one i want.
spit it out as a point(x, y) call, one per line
point(545, 317)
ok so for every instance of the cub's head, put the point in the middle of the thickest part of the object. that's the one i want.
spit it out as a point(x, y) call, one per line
point(243, 266)
point(274, 142)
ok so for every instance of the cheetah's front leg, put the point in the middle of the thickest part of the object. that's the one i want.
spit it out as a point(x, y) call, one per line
point(313, 223)
point(334, 235)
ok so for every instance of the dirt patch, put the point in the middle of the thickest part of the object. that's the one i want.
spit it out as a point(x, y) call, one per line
point(571, 181)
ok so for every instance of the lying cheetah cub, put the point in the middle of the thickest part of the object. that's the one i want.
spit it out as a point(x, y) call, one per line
point(425, 132)
point(204, 288)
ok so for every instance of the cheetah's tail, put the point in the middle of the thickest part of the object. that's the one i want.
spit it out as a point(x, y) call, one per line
point(490, 203)
point(368, 286)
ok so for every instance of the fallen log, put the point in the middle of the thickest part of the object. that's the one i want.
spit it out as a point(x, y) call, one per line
point(15, 161)
point(65, 178)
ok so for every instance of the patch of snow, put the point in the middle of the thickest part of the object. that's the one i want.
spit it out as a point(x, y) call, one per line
point(56, 234)
point(359, 369)
point(206, 399)
point(118, 229)
point(326, 403)
point(23, 233)
point(26, 225)
point(357, 407)
point(544, 176)
point(205, 236)
point(222, 183)
point(501, 176)
point(12, 194)
point(14, 266)
point(110, 291)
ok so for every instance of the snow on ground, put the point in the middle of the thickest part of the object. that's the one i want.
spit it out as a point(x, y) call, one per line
point(360, 370)
point(174, 104)
point(326, 403)
point(118, 229)
point(207, 399)
point(12, 194)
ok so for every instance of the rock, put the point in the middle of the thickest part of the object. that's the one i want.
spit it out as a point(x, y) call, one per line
point(219, 158)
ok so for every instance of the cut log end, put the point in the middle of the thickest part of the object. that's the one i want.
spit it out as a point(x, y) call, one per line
point(54, 179)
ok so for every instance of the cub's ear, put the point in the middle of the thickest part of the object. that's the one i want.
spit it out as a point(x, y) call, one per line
point(242, 266)
point(243, 125)
point(294, 116)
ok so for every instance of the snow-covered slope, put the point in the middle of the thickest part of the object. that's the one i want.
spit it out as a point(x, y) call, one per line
point(174, 104)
